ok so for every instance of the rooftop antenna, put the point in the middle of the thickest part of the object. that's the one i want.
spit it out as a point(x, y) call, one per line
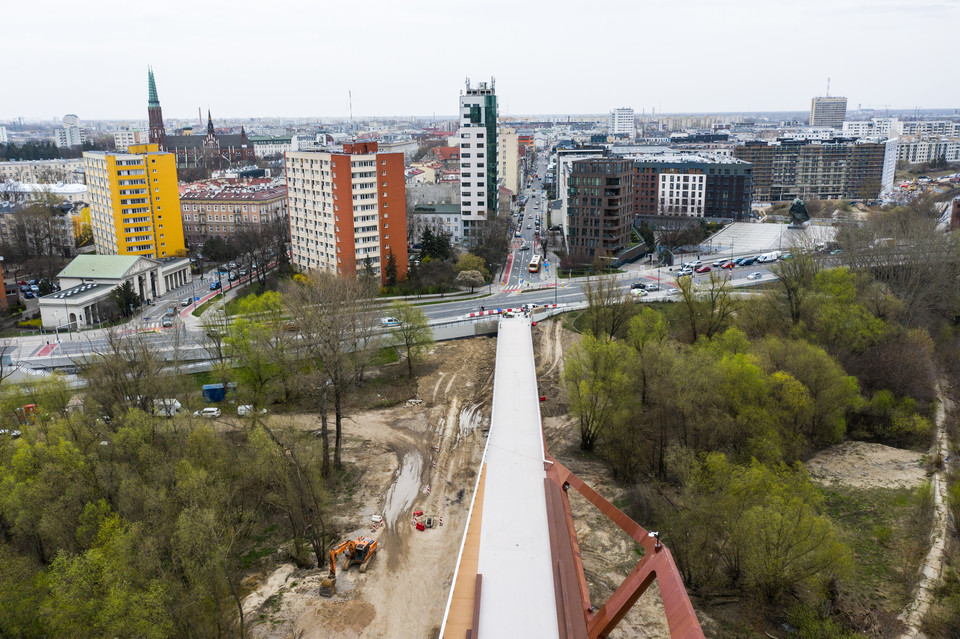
point(828, 86)
point(350, 97)
point(200, 116)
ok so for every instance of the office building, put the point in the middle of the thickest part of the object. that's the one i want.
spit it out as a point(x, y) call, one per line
point(347, 208)
point(693, 185)
point(828, 111)
point(509, 169)
point(622, 124)
point(831, 170)
point(600, 207)
point(134, 202)
point(477, 139)
point(71, 134)
point(3, 135)
point(222, 208)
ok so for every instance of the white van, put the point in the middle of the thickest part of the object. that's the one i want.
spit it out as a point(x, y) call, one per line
point(773, 256)
point(247, 409)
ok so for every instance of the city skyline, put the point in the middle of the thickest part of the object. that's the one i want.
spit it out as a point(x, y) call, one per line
point(309, 59)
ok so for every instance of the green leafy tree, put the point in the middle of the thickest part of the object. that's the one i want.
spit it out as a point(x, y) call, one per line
point(471, 262)
point(390, 271)
point(412, 334)
point(597, 381)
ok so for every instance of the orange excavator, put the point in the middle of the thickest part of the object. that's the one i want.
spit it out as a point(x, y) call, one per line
point(359, 551)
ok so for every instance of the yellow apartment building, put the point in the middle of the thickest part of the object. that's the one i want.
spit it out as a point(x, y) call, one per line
point(134, 202)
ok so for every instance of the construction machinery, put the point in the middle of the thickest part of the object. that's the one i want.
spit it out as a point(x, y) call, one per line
point(358, 551)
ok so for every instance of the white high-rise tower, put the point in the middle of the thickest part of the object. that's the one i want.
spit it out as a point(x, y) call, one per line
point(477, 139)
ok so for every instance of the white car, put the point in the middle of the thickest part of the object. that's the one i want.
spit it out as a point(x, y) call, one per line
point(247, 409)
point(755, 275)
point(673, 291)
point(389, 321)
point(210, 412)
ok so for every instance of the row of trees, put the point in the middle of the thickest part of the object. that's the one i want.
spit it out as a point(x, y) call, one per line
point(250, 244)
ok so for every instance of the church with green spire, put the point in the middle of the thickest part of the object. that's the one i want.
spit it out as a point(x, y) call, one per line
point(154, 114)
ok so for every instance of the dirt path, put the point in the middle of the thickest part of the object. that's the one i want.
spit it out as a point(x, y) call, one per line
point(932, 569)
point(422, 455)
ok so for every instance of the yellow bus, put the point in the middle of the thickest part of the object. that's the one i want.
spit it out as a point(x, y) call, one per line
point(535, 264)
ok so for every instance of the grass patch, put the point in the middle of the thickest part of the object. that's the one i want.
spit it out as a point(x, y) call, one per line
point(888, 537)
point(200, 310)
point(386, 355)
point(584, 272)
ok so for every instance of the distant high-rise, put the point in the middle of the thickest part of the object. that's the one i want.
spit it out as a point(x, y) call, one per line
point(158, 135)
point(71, 134)
point(622, 123)
point(828, 111)
point(478, 156)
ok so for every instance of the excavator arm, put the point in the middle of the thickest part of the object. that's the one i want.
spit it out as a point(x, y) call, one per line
point(346, 546)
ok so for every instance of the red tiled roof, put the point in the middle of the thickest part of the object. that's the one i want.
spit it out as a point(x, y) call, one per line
point(447, 152)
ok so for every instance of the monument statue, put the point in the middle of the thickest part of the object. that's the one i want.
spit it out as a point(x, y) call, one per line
point(798, 214)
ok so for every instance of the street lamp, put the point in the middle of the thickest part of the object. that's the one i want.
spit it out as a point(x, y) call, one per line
point(56, 325)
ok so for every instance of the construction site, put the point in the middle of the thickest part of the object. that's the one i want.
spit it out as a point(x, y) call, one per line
point(417, 467)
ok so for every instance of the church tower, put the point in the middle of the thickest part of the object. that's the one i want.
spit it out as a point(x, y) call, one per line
point(154, 114)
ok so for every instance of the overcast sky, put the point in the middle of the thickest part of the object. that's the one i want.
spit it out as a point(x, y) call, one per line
point(254, 58)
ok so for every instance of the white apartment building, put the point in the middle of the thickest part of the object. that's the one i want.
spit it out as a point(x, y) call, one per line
point(269, 146)
point(682, 194)
point(945, 128)
point(917, 150)
point(347, 208)
point(622, 123)
point(508, 161)
point(890, 150)
point(3, 135)
point(71, 134)
point(45, 171)
point(124, 139)
point(828, 111)
point(877, 128)
point(479, 151)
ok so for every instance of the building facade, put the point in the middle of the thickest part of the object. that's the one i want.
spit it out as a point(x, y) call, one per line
point(828, 111)
point(43, 171)
point(622, 124)
point(124, 139)
point(600, 207)
point(272, 146)
point(831, 170)
point(211, 151)
point(71, 134)
point(509, 169)
point(134, 202)
point(222, 208)
point(345, 207)
point(711, 186)
point(477, 139)
point(917, 150)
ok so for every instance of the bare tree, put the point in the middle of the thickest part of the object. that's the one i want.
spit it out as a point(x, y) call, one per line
point(608, 306)
point(708, 310)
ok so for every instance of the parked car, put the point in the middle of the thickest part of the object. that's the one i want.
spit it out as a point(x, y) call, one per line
point(29, 295)
point(187, 301)
point(210, 412)
point(638, 285)
point(719, 263)
point(247, 409)
point(653, 287)
point(703, 269)
point(673, 291)
point(684, 272)
point(728, 264)
point(243, 272)
point(389, 321)
point(233, 277)
point(755, 275)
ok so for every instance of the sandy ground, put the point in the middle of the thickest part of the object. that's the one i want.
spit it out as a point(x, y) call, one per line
point(865, 465)
point(417, 456)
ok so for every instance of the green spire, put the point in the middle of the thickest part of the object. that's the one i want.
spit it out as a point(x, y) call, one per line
point(154, 101)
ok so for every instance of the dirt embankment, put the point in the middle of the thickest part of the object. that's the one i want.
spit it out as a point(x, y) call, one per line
point(421, 455)
point(866, 465)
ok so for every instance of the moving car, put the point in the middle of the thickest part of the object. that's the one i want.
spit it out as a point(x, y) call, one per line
point(755, 275)
point(166, 322)
point(389, 321)
point(214, 286)
point(210, 412)
point(187, 301)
